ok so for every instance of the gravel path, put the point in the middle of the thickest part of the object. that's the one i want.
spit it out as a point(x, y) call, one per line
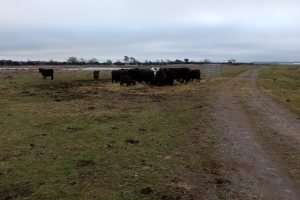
point(251, 171)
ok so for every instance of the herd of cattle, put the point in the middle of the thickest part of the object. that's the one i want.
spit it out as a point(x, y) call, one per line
point(154, 76)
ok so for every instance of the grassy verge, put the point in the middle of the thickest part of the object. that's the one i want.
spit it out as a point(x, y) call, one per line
point(282, 84)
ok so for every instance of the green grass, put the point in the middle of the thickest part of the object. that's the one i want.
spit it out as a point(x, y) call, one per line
point(48, 127)
point(283, 84)
point(233, 70)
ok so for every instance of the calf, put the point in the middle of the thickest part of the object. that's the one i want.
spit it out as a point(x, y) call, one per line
point(126, 79)
point(194, 74)
point(96, 75)
point(46, 72)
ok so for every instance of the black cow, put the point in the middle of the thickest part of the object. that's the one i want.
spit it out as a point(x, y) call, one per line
point(116, 74)
point(149, 77)
point(142, 76)
point(46, 72)
point(126, 79)
point(181, 74)
point(170, 73)
point(135, 74)
point(96, 75)
point(160, 77)
point(194, 74)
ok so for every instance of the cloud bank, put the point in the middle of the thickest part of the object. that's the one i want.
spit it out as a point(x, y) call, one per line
point(110, 29)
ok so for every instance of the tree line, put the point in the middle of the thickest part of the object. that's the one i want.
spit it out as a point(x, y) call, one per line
point(127, 60)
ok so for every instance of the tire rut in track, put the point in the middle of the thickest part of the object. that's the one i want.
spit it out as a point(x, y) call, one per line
point(251, 171)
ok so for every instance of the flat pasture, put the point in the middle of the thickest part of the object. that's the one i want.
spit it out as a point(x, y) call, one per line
point(78, 138)
point(282, 83)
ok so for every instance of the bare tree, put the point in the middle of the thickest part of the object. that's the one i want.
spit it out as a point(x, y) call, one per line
point(109, 62)
point(126, 59)
point(132, 60)
point(72, 60)
point(93, 61)
point(206, 61)
point(81, 60)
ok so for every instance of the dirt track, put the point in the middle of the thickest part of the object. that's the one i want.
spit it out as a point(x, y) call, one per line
point(251, 169)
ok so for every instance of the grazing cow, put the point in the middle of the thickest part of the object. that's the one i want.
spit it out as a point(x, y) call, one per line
point(126, 79)
point(170, 73)
point(116, 74)
point(160, 77)
point(155, 69)
point(142, 75)
point(96, 75)
point(149, 77)
point(135, 74)
point(46, 72)
point(181, 74)
point(194, 74)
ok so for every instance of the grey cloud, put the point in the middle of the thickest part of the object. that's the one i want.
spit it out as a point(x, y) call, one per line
point(194, 29)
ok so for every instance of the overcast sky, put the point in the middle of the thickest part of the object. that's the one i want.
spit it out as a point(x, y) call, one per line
point(245, 30)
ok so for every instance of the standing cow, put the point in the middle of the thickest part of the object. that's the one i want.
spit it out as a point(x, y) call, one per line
point(116, 74)
point(46, 72)
point(194, 74)
point(96, 75)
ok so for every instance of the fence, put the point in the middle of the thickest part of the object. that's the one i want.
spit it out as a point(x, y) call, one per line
point(211, 70)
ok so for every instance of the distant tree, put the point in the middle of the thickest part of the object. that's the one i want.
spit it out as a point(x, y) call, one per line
point(206, 61)
point(93, 61)
point(178, 61)
point(51, 62)
point(72, 60)
point(231, 61)
point(109, 62)
point(132, 60)
point(186, 60)
point(126, 59)
point(81, 60)
point(118, 63)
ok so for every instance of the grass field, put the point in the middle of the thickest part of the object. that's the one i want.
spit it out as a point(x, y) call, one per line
point(283, 84)
point(76, 138)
